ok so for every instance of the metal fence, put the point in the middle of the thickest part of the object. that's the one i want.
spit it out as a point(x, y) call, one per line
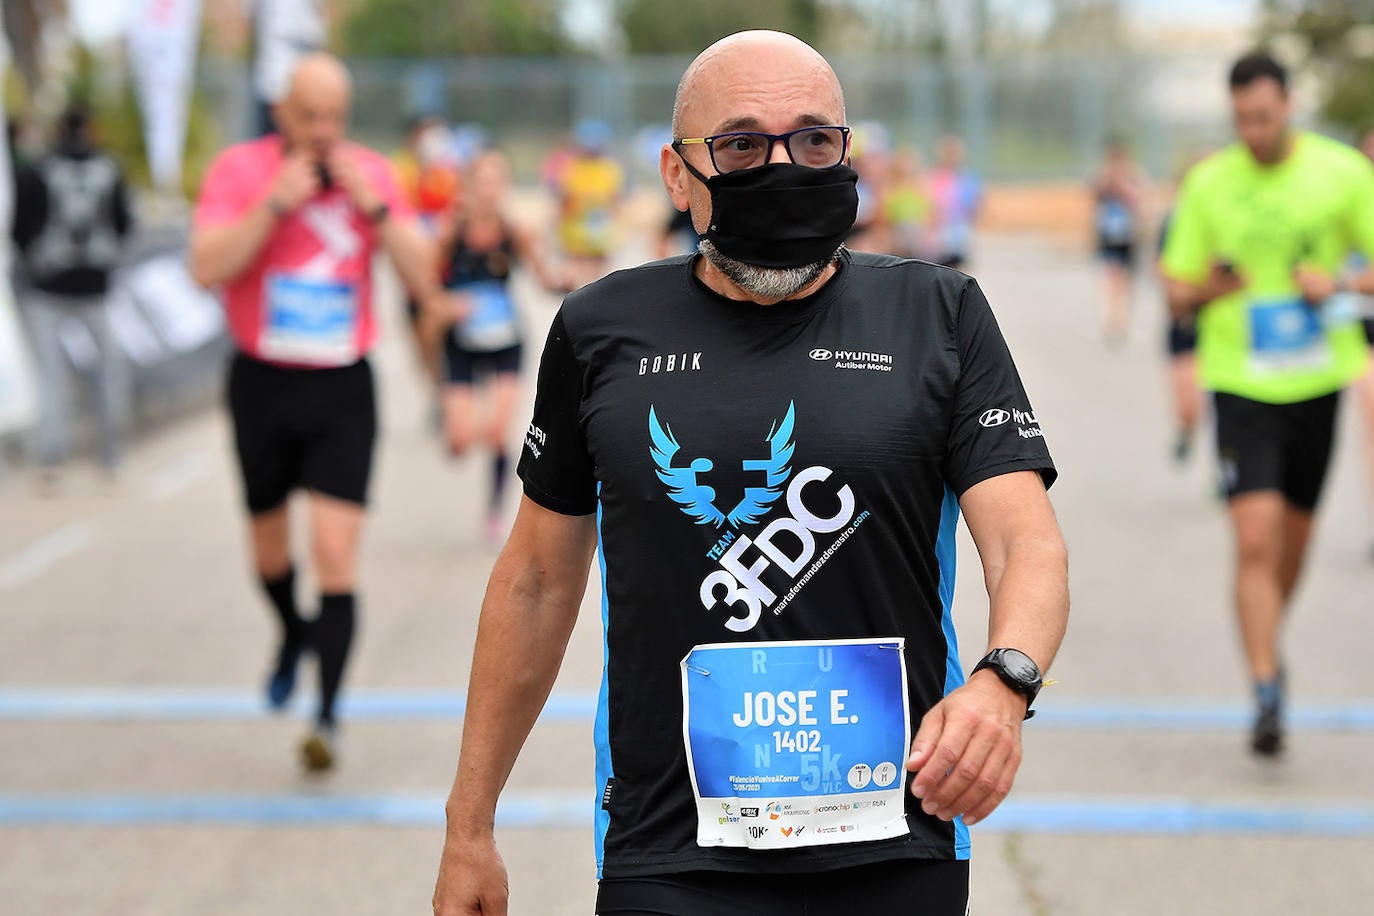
point(1037, 117)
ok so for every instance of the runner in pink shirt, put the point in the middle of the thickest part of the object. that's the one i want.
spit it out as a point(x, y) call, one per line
point(287, 227)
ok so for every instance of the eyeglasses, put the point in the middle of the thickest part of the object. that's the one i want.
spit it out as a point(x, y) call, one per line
point(815, 147)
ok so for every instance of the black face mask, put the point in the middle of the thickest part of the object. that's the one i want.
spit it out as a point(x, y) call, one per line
point(781, 214)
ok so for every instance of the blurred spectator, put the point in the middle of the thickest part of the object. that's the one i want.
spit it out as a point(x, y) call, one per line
point(1365, 386)
point(870, 156)
point(72, 219)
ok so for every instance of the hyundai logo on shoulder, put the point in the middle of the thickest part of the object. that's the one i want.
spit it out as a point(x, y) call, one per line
point(994, 417)
point(822, 353)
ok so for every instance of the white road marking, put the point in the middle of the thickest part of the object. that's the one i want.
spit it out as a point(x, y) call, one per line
point(179, 476)
point(44, 553)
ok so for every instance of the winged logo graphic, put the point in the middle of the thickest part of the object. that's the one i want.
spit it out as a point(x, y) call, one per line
point(699, 500)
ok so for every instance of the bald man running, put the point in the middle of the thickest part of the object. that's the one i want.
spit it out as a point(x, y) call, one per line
point(770, 442)
point(286, 227)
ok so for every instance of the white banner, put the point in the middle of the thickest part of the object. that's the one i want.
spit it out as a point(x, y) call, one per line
point(287, 30)
point(162, 54)
point(18, 398)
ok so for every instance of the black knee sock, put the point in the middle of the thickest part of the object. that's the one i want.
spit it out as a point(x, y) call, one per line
point(499, 464)
point(332, 634)
point(282, 593)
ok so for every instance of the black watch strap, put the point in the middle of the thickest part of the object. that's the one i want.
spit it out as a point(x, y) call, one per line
point(1017, 670)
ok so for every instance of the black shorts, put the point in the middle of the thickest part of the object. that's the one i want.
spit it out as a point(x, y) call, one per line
point(465, 366)
point(1114, 253)
point(311, 428)
point(1368, 329)
point(1182, 337)
point(930, 888)
point(1283, 447)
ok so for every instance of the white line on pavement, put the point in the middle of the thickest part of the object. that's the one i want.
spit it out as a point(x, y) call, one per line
point(44, 553)
point(179, 476)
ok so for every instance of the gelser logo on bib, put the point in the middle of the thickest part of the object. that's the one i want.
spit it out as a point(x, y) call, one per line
point(771, 567)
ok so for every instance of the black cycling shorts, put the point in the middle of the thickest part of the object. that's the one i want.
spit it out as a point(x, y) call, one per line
point(1368, 329)
point(1182, 336)
point(1283, 447)
point(465, 366)
point(914, 886)
point(1116, 253)
point(311, 428)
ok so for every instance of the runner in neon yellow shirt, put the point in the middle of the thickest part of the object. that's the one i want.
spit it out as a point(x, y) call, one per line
point(1255, 247)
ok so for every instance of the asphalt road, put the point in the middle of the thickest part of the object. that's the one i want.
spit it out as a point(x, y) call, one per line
point(138, 773)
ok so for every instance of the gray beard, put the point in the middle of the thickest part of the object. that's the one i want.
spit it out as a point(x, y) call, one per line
point(771, 283)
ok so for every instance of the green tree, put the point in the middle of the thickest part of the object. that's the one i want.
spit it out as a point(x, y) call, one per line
point(677, 27)
point(440, 28)
point(1334, 40)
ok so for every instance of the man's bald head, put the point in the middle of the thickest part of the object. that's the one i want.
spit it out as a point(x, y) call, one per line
point(314, 112)
point(748, 60)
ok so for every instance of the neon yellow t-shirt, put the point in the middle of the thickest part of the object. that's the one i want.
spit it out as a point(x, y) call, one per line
point(1314, 208)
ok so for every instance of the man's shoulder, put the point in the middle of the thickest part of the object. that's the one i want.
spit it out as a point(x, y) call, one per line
point(1333, 155)
point(633, 289)
point(893, 270)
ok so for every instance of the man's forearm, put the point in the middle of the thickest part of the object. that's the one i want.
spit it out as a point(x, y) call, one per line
point(413, 256)
point(521, 638)
point(1184, 298)
point(221, 253)
point(1029, 595)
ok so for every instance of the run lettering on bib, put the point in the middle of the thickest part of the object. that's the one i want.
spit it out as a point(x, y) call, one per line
point(309, 321)
point(797, 743)
point(1287, 334)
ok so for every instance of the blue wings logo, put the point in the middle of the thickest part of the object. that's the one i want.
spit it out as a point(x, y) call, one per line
point(698, 500)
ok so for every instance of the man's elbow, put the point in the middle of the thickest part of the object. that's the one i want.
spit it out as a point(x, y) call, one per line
point(202, 269)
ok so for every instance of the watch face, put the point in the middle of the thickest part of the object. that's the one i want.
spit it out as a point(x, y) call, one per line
point(1020, 666)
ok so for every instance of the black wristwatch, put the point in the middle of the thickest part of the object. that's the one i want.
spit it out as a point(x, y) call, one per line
point(1017, 670)
point(378, 214)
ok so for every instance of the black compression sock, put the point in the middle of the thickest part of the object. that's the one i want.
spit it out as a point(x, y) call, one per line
point(499, 464)
point(282, 593)
point(332, 634)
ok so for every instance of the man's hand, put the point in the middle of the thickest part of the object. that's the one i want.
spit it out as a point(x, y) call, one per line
point(350, 178)
point(297, 181)
point(1221, 282)
point(457, 307)
point(472, 878)
point(1316, 286)
point(967, 750)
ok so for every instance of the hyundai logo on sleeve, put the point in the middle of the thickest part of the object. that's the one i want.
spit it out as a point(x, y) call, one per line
point(994, 417)
point(820, 353)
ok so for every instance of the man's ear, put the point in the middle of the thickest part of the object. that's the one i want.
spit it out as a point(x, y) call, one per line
point(675, 177)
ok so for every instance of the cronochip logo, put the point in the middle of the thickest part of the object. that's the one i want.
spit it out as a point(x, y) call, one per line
point(994, 417)
point(698, 500)
point(820, 353)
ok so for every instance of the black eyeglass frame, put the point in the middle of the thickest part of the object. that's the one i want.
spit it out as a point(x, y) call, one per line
point(773, 140)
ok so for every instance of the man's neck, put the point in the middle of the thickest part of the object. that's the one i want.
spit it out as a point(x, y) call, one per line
point(1284, 150)
point(719, 283)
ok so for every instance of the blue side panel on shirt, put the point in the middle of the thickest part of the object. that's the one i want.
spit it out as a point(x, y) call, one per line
point(601, 731)
point(945, 555)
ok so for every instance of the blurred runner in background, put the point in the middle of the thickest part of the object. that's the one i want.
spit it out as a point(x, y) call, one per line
point(71, 222)
point(590, 187)
point(1365, 386)
point(1259, 237)
point(478, 248)
point(907, 207)
point(287, 226)
point(430, 178)
point(1119, 196)
point(1180, 341)
point(957, 193)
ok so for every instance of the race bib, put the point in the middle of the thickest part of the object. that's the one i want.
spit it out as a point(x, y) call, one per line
point(795, 744)
point(311, 322)
point(492, 324)
point(1287, 334)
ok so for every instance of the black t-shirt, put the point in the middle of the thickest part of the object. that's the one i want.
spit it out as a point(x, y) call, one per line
point(681, 418)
